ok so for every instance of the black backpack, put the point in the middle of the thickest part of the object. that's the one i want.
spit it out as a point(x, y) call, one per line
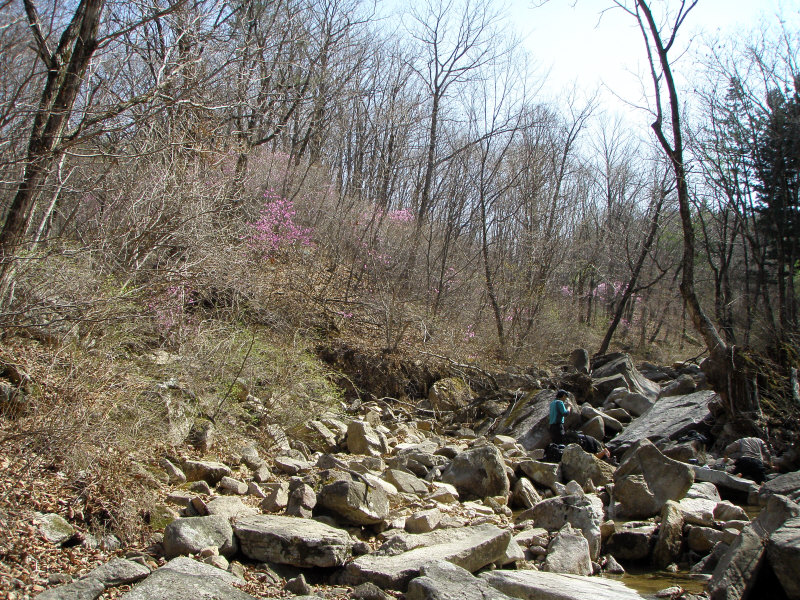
point(553, 453)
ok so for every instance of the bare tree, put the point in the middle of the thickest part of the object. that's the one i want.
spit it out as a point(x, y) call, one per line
point(726, 366)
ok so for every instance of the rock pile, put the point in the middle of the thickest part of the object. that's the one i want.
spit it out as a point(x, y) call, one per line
point(392, 502)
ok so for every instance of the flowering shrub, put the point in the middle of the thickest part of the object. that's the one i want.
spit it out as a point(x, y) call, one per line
point(276, 229)
point(169, 310)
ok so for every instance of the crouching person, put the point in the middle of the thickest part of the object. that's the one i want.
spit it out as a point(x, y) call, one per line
point(751, 457)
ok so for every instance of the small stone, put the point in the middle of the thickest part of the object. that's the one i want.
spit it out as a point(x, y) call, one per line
point(233, 486)
point(200, 487)
point(298, 586)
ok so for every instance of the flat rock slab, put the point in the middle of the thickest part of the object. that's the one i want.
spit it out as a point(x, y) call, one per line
point(293, 541)
point(181, 580)
point(119, 572)
point(442, 580)
point(468, 547)
point(787, 485)
point(730, 487)
point(82, 589)
point(668, 419)
point(540, 585)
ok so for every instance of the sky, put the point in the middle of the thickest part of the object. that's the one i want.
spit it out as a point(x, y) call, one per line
point(577, 41)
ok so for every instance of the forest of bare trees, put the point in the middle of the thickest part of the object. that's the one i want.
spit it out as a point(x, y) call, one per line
point(317, 164)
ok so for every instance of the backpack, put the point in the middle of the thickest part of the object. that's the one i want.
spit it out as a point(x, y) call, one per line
point(553, 453)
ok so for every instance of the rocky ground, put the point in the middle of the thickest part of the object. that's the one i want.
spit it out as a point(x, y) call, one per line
point(450, 498)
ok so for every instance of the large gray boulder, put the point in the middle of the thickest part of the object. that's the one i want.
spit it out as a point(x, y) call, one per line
point(479, 472)
point(632, 542)
point(668, 419)
point(584, 467)
point(646, 479)
point(582, 512)
point(442, 580)
point(568, 552)
point(184, 578)
point(363, 439)
point(406, 482)
point(736, 574)
point(544, 473)
point(526, 421)
point(783, 553)
point(670, 536)
point(540, 585)
point(468, 547)
point(192, 534)
point(293, 541)
point(119, 571)
point(86, 588)
point(787, 485)
point(355, 501)
point(622, 365)
point(634, 403)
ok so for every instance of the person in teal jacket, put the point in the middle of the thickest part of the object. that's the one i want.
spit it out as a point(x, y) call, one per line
point(558, 410)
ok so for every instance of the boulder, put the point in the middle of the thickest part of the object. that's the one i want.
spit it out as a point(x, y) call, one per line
point(584, 467)
point(595, 428)
point(729, 487)
point(703, 489)
point(229, 507)
point(229, 485)
point(406, 482)
point(582, 512)
point(635, 382)
point(479, 472)
point(423, 521)
point(208, 471)
point(363, 439)
point(526, 421)
point(736, 576)
point(191, 534)
point(277, 496)
point(540, 585)
point(355, 501)
point(646, 479)
point(787, 485)
point(468, 547)
point(293, 541)
point(176, 476)
point(632, 542)
point(525, 494)
point(633, 402)
point(670, 536)
point(183, 578)
point(683, 385)
point(449, 394)
point(545, 474)
point(568, 552)
point(118, 571)
point(669, 419)
point(579, 360)
point(783, 553)
point(86, 588)
point(54, 528)
point(698, 511)
point(441, 580)
point(302, 501)
point(703, 539)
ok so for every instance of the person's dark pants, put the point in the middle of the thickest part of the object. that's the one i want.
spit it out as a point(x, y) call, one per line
point(557, 433)
point(750, 468)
